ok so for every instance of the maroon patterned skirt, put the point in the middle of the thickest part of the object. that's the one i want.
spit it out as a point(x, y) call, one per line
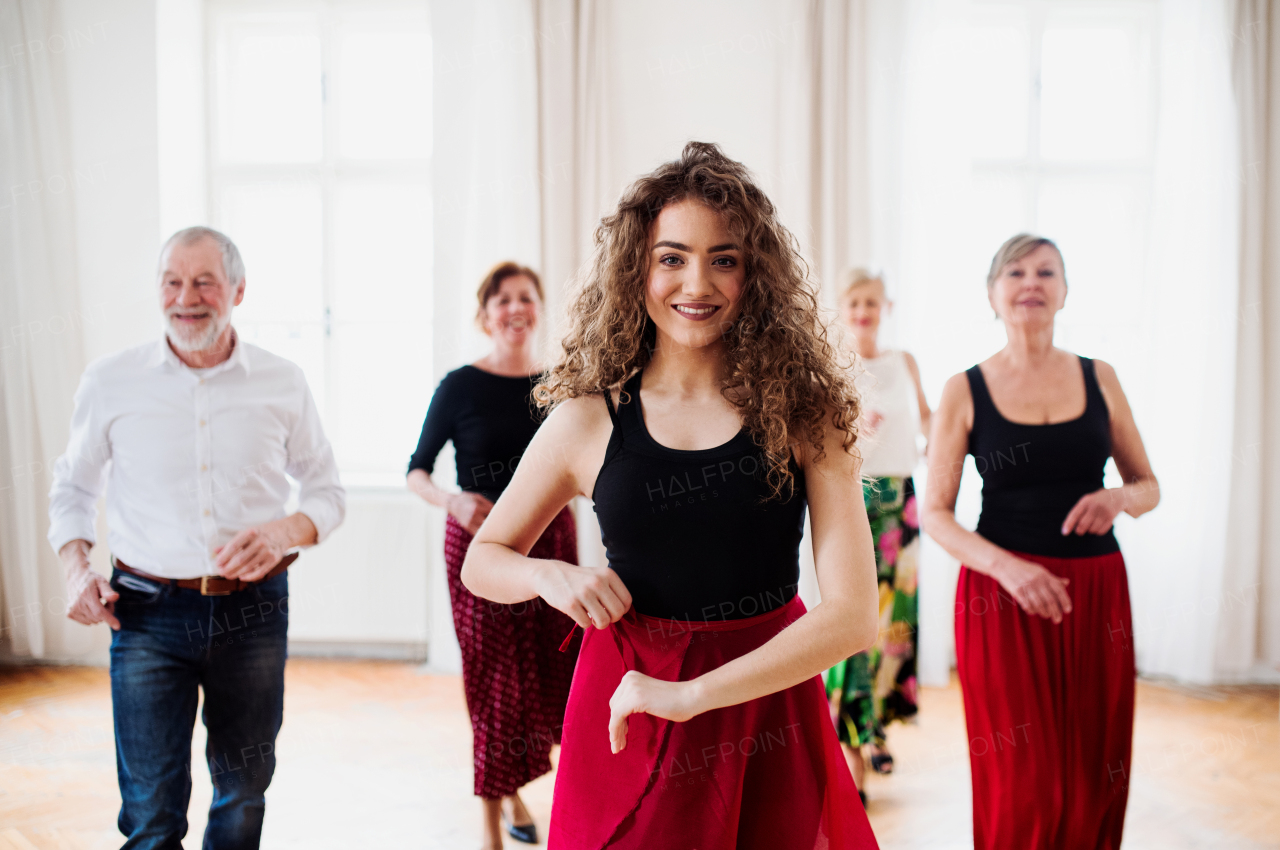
point(516, 680)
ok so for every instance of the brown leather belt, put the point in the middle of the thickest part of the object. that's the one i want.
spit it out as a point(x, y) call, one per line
point(208, 585)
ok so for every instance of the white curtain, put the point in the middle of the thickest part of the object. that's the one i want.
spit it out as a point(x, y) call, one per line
point(1249, 615)
point(803, 112)
point(572, 125)
point(1183, 394)
point(822, 171)
point(485, 195)
point(41, 354)
point(822, 134)
point(921, 172)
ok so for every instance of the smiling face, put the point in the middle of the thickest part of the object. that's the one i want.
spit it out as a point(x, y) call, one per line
point(696, 275)
point(1031, 289)
point(196, 296)
point(511, 314)
point(862, 308)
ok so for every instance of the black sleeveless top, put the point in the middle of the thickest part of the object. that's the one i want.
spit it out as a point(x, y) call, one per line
point(693, 534)
point(1033, 475)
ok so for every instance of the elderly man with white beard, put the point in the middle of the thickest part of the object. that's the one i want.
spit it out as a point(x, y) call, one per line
point(194, 434)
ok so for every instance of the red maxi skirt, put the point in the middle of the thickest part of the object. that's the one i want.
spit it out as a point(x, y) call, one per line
point(516, 681)
point(764, 775)
point(1049, 708)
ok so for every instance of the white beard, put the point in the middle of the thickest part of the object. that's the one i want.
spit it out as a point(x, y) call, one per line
point(201, 337)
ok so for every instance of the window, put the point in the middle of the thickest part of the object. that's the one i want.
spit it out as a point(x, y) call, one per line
point(319, 168)
point(1061, 139)
point(1021, 116)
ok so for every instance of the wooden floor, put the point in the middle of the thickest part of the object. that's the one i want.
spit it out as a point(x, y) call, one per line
point(376, 754)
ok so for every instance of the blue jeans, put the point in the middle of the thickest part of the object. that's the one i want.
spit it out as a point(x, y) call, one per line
point(171, 641)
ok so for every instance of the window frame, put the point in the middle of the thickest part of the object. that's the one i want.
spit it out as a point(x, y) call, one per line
point(1032, 170)
point(328, 173)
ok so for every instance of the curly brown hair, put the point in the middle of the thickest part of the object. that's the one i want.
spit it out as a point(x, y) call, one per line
point(783, 373)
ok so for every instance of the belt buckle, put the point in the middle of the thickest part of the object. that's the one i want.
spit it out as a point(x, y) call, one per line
point(204, 587)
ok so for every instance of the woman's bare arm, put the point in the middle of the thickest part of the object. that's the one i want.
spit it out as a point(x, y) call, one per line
point(1036, 589)
point(469, 509)
point(844, 623)
point(561, 462)
point(421, 485)
point(922, 403)
point(1095, 512)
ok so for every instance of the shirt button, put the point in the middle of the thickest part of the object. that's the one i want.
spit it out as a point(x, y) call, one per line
point(204, 467)
point(202, 380)
point(201, 423)
point(206, 513)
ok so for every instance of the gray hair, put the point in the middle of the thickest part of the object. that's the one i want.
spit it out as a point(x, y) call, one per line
point(1017, 247)
point(232, 264)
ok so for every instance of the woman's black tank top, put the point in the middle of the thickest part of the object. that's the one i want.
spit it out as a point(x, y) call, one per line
point(1033, 475)
point(693, 534)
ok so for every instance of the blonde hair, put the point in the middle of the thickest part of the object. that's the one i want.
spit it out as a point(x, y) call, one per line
point(783, 373)
point(1017, 247)
point(861, 277)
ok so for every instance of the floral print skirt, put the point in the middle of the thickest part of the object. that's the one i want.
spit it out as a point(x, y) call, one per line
point(878, 686)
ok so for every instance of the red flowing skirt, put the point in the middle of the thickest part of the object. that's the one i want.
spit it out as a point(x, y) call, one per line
point(1049, 708)
point(516, 681)
point(764, 775)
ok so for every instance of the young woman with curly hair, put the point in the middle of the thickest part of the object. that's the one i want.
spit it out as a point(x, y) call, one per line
point(700, 404)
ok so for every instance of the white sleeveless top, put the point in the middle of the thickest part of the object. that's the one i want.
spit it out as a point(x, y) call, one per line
point(887, 388)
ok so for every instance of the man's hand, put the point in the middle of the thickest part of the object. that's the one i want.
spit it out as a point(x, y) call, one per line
point(253, 552)
point(90, 597)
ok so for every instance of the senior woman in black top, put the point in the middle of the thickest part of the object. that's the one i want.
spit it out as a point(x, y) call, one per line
point(515, 680)
point(1044, 644)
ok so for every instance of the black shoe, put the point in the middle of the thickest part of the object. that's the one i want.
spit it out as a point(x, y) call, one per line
point(882, 764)
point(527, 834)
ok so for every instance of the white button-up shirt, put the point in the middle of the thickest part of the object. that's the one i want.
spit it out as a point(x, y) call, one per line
point(190, 457)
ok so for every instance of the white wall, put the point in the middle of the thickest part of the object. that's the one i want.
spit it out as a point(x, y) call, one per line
point(354, 595)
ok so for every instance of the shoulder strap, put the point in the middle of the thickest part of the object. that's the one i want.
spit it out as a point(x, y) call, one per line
point(629, 417)
point(618, 435)
point(1092, 392)
point(626, 414)
point(613, 413)
point(978, 389)
point(983, 407)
